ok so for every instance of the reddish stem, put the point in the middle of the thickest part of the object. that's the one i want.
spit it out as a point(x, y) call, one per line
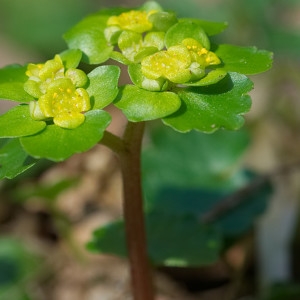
point(130, 154)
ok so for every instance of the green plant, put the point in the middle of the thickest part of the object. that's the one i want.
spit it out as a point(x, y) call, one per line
point(177, 75)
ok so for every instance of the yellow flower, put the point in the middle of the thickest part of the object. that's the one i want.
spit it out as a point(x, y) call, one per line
point(133, 20)
point(200, 54)
point(59, 92)
point(62, 102)
point(172, 64)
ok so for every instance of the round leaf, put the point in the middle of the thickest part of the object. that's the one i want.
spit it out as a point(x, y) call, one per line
point(141, 105)
point(162, 21)
point(17, 122)
point(186, 29)
point(209, 108)
point(13, 159)
point(57, 144)
point(245, 60)
point(211, 28)
point(12, 79)
point(192, 160)
point(103, 85)
point(71, 58)
point(88, 36)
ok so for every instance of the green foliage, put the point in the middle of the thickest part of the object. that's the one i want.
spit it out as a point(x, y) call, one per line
point(17, 268)
point(67, 142)
point(245, 60)
point(176, 77)
point(181, 184)
point(204, 102)
point(141, 105)
point(283, 291)
point(14, 160)
point(165, 232)
point(12, 79)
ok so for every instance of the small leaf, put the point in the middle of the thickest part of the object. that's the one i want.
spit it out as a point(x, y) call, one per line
point(103, 85)
point(209, 108)
point(245, 60)
point(71, 58)
point(57, 144)
point(212, 77)
point(12, 79)
point(210, 28)
point(162, 21)
point(13, 159)
point(17, 122)
point(165, 233)
point(186, 29)
point(88, 36)
point(151, 5)
point(141, 105)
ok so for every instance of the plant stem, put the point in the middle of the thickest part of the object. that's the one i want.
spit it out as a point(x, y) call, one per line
point(129, 151)
point(141, 280)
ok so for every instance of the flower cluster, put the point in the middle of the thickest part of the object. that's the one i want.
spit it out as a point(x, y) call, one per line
point(143, 38)
point(179, 64)
point(59, 91)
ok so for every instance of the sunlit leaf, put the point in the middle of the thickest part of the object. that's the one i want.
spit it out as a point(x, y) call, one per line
point(186, 29)
point(245, 60)
point(57, 144)
point(13, 159)
point(103, 85)
point(12, 79)
point(215, 106)
point(71, 58)
point(210, 28)
point(88, 36)
point(17, 122)
point(141, 105)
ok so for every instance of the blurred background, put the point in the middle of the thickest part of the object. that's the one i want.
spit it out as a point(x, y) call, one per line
point(47, 216)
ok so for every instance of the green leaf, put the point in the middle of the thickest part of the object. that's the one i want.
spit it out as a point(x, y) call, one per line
point(212, 77)
point(151, 5)
point(210, 28)
point(103, 85)
point(13, 159)
point(186, 29)
point(57, 144)
point(197, 201)
point(12, 79)
point(202, 244)
point(141, 105)
point(88, 36)
point(71, 58)
point(215, 106)
point(17, 122)
point(245, 60)
point(17, 264)
point(162, 21)
point(189, 174)
point(165, 234)
point(193, 160)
